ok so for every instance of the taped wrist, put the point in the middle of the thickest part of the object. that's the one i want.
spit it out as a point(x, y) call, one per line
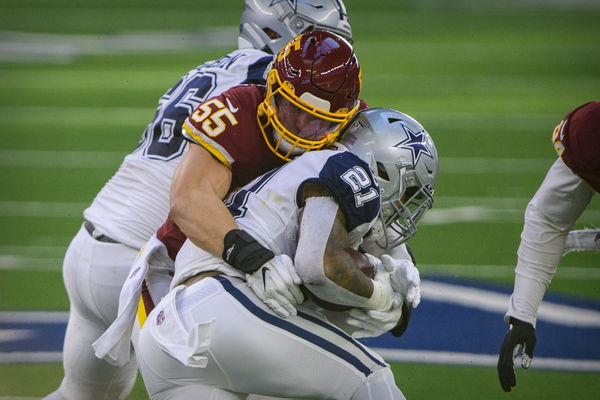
point(243, 252)
point(381, 299)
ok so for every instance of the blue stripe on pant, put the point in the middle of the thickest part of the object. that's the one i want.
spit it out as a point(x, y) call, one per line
point(301, 332)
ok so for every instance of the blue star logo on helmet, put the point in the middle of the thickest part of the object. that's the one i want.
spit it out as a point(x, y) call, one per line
point(415, 143)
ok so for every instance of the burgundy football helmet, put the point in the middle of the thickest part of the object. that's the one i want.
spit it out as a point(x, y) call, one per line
point(312, 91)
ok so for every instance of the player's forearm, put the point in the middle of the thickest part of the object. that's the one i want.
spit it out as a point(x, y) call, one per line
point(321, 263)
point(196, 201)
point(205, 225)
point(540, 250)
point(550, 215)
point(342, 270)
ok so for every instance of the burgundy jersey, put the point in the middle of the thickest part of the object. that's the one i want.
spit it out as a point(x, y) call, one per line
point(577, 141)
point(226, 126)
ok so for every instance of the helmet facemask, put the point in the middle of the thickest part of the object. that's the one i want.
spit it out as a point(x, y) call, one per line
point(403, 209)
point(293, 125)
point(404, 158)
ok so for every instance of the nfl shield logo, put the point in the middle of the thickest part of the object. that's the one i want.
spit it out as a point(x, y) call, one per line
point(160, 318)
point(134, 273)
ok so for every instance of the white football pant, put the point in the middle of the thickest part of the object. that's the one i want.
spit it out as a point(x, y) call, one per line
point(93, 273)
point(216, 340)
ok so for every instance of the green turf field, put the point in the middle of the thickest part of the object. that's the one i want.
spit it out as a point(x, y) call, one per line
point(489, 84)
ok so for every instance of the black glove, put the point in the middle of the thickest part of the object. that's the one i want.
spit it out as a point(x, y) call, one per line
point(520, 336)
point(401, 326)
point(243, 252)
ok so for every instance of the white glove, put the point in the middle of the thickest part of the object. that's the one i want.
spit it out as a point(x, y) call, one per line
point(404, 277)
point(372, 323)
point(277, 284)
point(582, 240)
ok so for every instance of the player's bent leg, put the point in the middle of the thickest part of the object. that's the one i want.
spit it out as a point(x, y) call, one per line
point(86, 377)
point(166, 378)
point(218, 333)
point(93, 283)
point(379, 385)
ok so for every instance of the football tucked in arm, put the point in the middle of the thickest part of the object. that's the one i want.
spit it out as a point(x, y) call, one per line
point(362, 262)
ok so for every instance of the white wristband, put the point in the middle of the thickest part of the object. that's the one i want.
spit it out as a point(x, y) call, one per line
point(381, 299)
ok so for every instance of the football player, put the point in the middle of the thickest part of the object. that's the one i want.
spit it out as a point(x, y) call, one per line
point(134, 203)
point(212, 337)
point(311, 92)
point(563, 195)
point(234, 137)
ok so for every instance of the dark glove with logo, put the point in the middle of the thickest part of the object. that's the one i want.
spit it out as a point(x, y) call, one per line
point(520, 339)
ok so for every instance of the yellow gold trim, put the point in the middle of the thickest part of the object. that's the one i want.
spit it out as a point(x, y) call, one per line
point(340, 116)
point(201, 142)
point(141, 312)
point(267, 118)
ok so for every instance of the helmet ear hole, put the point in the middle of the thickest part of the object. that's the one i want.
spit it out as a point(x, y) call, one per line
point(271, 33)
point(382, 171)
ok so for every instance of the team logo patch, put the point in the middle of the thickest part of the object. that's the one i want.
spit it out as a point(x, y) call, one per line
point(160, 318)
point(414, 142)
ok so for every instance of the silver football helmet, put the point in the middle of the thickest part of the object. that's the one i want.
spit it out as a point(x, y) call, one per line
point(402, 154)
point(269, 24)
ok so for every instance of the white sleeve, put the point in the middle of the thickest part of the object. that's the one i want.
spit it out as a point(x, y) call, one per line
point(551, 213)
point(317, 221)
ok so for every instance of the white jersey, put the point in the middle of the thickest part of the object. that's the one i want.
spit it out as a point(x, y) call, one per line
point(550, 215)
point(135, 201)
point(268, 208)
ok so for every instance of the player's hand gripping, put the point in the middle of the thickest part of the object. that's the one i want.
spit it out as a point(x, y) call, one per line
point(404, 277)
point(277, 284)
point(520, 338)
point(373, 323)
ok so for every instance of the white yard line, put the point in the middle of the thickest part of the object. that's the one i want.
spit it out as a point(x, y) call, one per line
point(444, 293)
point(43, 209)
point(390, 355)
point(18, 398)
point(482, 360)
point(505, 271)
point(59, 48)
point(24, 357)
point(24, 263)
point(43, 317)
point(496, 302)
point(93, 159)
point(88, 116)
point(59, 159)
